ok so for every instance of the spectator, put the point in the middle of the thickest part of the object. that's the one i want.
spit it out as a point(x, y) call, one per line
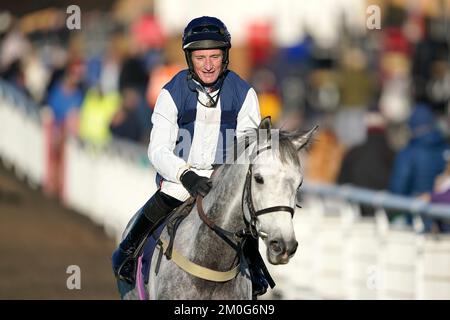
point(324, 159)
point(265, 84)
point(160, 75)
point(96, 114)
point(66, 96)
point(14, 46)
point(125, 123)
point(64, 100)
point(369, 164)
point(356, 90)
point(133, 74)
point(417, 165)
point(14, 74)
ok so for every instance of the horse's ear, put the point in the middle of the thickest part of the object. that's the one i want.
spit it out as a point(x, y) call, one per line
point(304, 140)
point(266, 123)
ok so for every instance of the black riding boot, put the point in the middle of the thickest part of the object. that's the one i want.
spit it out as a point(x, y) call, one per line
point(150, 216)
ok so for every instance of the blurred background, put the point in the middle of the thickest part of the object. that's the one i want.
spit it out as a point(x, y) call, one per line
point(75, 110)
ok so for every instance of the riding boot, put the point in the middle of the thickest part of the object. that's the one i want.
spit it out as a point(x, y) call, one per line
point(150, 216)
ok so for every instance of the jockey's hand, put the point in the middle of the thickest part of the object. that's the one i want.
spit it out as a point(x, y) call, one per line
point(195, 184)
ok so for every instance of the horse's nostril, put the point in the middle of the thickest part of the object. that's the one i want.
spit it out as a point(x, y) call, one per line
point(276, 246)
point(294, 248)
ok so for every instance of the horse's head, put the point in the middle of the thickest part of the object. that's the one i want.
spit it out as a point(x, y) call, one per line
point(275, 176)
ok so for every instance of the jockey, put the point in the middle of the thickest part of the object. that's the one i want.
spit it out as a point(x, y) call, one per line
point(190, 119)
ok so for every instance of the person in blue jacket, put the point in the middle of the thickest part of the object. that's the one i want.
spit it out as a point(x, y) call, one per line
point(417, 165)
point(190, 119)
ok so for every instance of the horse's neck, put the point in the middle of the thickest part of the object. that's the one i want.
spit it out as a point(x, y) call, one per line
point(223, 206)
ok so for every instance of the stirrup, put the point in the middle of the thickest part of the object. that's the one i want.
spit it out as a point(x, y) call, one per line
point(130, 259)
point(129, 277)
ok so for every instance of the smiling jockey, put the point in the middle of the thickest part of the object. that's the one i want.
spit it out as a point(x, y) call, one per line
point(191, 118)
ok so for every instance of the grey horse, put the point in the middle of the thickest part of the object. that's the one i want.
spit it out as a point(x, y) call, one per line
point(275, 175)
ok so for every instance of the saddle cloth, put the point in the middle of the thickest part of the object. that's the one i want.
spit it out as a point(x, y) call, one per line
point(145, 258)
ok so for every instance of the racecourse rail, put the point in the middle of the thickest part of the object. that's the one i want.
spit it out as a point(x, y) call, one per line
point(342, 255)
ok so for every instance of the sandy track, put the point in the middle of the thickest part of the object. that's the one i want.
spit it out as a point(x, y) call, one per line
point(39, 239)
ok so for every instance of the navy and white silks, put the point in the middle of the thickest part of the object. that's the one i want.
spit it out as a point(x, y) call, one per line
point(188, 135)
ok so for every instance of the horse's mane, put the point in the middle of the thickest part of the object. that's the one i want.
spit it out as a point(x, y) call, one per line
point(287, 151)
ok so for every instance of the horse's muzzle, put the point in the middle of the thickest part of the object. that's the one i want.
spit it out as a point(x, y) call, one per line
point(279, 252)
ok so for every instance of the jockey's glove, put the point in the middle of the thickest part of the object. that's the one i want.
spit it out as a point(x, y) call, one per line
point(195, 184)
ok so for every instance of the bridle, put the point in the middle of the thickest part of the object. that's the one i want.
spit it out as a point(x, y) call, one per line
point(248, 199)
point(251, 226)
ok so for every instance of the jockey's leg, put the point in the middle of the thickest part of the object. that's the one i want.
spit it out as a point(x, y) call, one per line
point(150, 216)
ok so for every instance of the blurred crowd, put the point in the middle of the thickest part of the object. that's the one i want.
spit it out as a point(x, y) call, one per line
point(381, 98)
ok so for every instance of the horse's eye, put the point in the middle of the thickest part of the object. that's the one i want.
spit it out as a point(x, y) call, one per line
point(259, 179)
